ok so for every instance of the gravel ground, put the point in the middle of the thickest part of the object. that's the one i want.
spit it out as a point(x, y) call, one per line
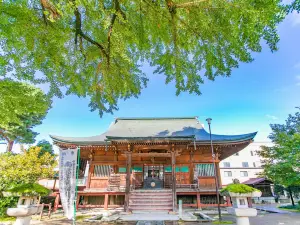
point(262, 219)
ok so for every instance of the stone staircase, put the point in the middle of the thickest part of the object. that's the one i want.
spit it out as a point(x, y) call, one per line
point(151, 200)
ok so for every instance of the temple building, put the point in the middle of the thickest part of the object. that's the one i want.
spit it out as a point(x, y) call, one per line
point(151, 163)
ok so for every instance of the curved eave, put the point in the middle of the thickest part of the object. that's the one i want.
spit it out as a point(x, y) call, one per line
point(230, 139)
point(216, 139)
point(64, 140)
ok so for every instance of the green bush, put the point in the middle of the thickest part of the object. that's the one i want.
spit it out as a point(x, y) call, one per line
point(296, 207)
point(7, 202)
point(238, 188)
point(29, 189)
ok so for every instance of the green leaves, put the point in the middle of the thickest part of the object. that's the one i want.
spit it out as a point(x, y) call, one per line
point(27, 167)
point(94, 48)
point(22, 106)
point(238, 188)
point(281, 162)
point(28, 189)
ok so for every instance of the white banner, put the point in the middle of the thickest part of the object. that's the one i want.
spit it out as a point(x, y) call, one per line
point(67, 180)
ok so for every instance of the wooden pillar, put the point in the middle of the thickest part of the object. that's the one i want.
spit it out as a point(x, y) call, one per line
point(191, 167)
point(198, 201)
point(91, 171)
point(56, 202)
point(128, 168)
point(116, 159)
point(77, 201)
point(106, 201)
point(219, 174)
point(228, 201)
point(173, 159)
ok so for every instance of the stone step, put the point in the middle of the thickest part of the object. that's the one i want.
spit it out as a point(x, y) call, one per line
point(156, 198)
point(167, 201)
point(169, 208)
point(151, 204)
point(151, 193)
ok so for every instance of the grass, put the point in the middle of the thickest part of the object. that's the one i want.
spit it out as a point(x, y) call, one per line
point(82, 217)
point(290, 208)
point(7, 219)
point(223, 222)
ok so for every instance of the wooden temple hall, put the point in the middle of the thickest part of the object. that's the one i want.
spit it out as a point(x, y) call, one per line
point(151, 163)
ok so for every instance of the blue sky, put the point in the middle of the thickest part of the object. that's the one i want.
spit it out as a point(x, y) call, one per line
point(257, 94)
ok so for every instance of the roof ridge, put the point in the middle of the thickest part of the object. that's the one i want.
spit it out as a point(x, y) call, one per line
point(155, 118)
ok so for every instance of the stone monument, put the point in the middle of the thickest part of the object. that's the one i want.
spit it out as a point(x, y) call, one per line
point(239, 194)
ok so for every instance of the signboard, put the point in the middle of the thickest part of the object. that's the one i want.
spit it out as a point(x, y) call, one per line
point(67, 180)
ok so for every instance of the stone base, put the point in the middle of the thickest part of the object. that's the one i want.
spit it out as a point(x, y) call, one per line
point(242, 220)
point(23, 220)
point(242, 214)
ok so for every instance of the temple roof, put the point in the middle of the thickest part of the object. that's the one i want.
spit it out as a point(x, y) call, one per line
point(183, 128)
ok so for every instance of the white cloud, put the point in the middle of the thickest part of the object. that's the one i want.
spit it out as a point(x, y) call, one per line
point(298, 80)
point(295, 18)
point(297, 65)
point(272, 117)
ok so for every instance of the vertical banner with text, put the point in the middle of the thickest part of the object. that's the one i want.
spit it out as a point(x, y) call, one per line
point(67, 180)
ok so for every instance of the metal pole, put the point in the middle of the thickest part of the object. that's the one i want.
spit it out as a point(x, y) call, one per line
point(215, 169)
point(76, 188)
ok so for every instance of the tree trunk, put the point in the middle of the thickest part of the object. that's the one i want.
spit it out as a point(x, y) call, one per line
point(9, 146)
point(291, 195)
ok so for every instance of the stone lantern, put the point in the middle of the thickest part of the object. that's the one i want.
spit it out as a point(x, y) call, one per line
point(28, 203)
point(240, 193)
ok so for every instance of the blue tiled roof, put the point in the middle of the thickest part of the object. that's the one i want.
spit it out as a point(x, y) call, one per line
point(155, 128)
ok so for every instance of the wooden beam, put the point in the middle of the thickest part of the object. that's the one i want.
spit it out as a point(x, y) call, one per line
point(151, 154)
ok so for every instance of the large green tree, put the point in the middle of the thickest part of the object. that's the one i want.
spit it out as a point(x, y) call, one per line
point(282, 161)
point(45, 146)
point(96, 48)
point(22, 106)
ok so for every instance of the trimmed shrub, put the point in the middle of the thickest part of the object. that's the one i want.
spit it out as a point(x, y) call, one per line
point(7, 202)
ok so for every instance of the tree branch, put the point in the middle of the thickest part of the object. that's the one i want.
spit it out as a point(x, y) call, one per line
point(188, 4)
point(113, 19)
point(78, 31)
point(4, 136)
point(43, 12)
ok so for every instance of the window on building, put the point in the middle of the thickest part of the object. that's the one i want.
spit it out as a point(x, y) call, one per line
point(242, 201)
point(244, 174)
point(236, 154)
point(251, 152)
point(122, 169)
point(102, 170)
point(205, 170)
point(254, 165)
point(227, 174)
point(226, 164)
point(245, 164)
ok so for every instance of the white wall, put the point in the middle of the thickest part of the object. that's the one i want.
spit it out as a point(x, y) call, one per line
point(236, 163)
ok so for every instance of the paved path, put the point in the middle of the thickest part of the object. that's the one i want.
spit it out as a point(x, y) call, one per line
point(271, 209)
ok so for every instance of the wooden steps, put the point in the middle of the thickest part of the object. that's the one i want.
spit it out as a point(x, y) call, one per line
point(151, 200)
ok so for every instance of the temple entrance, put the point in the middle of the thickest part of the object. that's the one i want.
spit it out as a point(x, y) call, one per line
point(153, 176)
